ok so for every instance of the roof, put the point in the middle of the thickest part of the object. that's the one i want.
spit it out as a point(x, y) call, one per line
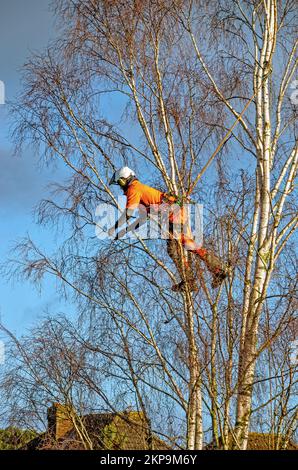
point(112, 431)
point(257, 441)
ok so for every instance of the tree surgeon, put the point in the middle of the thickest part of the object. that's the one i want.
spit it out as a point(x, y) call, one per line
point(142, 197)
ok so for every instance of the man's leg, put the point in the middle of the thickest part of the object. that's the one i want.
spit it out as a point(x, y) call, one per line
point(182, 263)
point(179, 222)
point(212, 261)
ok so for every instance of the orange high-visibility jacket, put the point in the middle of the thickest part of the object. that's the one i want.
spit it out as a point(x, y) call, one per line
point(138, 193)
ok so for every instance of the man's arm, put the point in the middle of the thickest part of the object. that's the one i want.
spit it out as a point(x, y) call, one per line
point(124, 217)
point(132, 203)
point(134, 226)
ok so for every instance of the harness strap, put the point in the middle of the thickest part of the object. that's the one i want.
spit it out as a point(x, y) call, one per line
point(179, 200)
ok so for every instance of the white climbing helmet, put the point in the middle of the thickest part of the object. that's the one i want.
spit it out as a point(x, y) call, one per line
point(120, 176)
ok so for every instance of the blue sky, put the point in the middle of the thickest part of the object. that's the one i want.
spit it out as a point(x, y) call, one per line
point(25, 26)
point(28, 26)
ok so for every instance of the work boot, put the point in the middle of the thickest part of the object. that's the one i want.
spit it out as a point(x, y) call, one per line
point(218, 278)
point(181, 286)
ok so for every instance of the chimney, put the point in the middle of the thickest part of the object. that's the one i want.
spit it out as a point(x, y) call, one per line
point(59, 422)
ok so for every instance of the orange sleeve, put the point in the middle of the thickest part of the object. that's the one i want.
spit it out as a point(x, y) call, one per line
point(133, 199)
